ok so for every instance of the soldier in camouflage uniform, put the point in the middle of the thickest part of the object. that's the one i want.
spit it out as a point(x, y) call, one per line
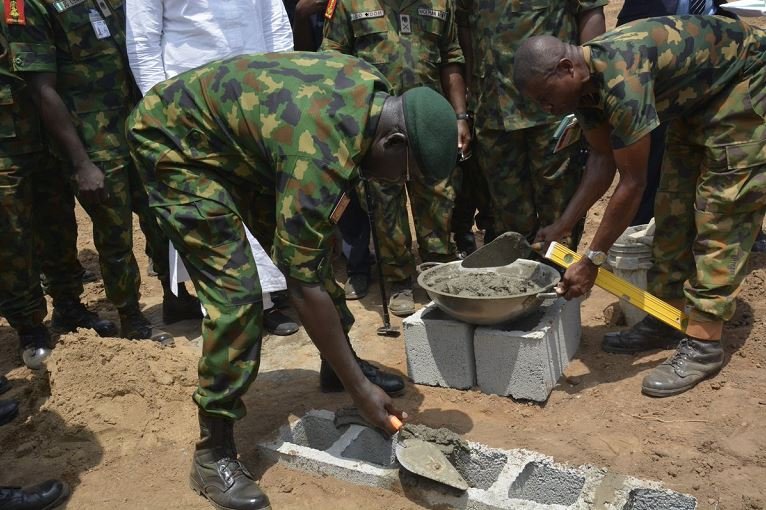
point(274, 142)
point(529, 184)
point(706, 76)
point(414, 44)
point(72, 54)
point(37, 225)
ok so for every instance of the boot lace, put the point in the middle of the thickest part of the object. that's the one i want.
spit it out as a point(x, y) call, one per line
point(231, 470)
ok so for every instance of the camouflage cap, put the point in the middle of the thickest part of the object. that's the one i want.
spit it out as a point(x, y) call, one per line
point(432, 132)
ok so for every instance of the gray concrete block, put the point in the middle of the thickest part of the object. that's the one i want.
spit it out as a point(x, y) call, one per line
point(525, 358)
point(439, 349)
point(498, 479)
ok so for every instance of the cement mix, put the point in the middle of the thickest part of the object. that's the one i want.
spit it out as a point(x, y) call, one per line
point(479, 284)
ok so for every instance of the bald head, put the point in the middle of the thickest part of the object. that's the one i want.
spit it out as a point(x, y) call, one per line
point(537, 59)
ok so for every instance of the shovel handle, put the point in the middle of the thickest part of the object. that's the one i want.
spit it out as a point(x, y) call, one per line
point(395, 422)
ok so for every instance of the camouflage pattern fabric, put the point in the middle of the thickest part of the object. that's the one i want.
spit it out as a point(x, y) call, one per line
point(267, 141)
point(706, 75)
point(529, 185)
point(84, 44)
point(408, 43)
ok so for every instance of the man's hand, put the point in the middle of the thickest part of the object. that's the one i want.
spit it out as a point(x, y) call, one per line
point(309, 7)
point(90, 183)
point(578, 279)
point(463, 136)
point(375, 406)
point(551, 233)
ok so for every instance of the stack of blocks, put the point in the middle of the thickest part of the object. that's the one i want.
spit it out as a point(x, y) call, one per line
point(522, 359)
point(498, 479)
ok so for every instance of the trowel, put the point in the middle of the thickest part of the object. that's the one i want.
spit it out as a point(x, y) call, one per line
point(425, 459)
point(501, 251)
point(414, 455)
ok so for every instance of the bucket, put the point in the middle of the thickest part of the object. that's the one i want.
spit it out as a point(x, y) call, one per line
point(630, 258)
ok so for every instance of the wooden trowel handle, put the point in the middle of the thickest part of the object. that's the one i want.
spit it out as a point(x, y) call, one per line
point(395, 422)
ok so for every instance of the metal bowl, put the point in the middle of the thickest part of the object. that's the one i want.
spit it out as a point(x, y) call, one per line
point(488, 310)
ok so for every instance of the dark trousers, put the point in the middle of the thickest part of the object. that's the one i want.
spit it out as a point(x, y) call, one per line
point(354, 227)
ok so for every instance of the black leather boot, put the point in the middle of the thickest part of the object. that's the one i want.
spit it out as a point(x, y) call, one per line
point(35, 346)
point(9, 409)
point(647, 334)
point(178, 308)
point(5, 384)
point(134, 326)
point(329, 382)
point(43, 496)
point(694, 361)
point(68, 315)
point(217, 474)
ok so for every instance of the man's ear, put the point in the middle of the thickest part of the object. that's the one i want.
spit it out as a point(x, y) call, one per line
point(565, 67)
point(393, 139)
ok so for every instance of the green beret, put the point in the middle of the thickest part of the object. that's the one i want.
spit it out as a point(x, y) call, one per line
point(431, 131)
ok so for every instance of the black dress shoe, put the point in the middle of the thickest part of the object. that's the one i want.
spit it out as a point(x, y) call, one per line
point(693, 362)
point(9, 409)
point(43, 496)
point(5, 384)
point(357, 286)
point(278, 323)
point(135, 326)
point(329, 382)
point(35, 346)
point(70, 315)
point(647, 334)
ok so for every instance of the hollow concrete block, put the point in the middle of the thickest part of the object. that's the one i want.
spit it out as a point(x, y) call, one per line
point(524, 359)
point(439, 349)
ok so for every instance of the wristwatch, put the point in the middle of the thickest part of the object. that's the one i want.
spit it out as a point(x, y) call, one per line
point(464, 116)
point(596, 257)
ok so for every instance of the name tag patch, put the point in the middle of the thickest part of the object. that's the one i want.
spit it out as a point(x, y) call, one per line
point(63, 5)
point(368, 14)
point(442, 15)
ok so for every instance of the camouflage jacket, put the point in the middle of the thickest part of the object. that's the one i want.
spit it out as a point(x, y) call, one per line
point(660, 69)
point(408, 40)
point(19, 125)
point(291, 128)
point(498, 29)
point(83, 42)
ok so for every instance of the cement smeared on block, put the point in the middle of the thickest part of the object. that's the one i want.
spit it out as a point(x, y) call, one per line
point(313, 432)
point(652, 499)
point(371, 446)
point(478, 466)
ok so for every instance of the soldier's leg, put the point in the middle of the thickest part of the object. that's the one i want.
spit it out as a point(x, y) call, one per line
point(113, 236)
point(461, 223)
point(354, 226)
point(432, 206)
point(555, 178)
point(174, 308)
point(55, 228)
point(21, 296)
point(504, 160)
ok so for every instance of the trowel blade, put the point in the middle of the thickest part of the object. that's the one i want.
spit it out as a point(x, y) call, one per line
point(425, 459)
point(501, 251)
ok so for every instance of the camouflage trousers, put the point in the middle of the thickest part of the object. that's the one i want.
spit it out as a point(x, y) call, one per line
point(529, 185)
point(38, 232)
point(210, 237)
point(431, 210)
point(113, 233)
point(709, 206)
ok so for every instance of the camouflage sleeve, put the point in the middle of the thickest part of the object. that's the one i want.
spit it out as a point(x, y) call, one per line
point(337, 34)
point(306, 196)
point(451, 52)
point(631, 111)
point(587, 5)
point(32, 44)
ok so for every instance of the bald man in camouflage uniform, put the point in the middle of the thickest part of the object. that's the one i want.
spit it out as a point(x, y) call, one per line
point(37, 224)
point(414, 44)
point(529, 184)
point(706, 75)
point(273, 142)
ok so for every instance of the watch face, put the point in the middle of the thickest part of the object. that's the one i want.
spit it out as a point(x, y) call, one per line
point(597, 257)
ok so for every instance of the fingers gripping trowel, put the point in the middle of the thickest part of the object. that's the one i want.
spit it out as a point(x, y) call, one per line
point(414, 455)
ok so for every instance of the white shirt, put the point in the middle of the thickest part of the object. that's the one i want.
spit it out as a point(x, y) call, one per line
point(168, 37)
